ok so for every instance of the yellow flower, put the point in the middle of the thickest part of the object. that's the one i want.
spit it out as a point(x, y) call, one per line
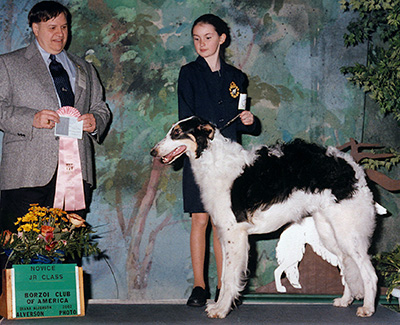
point(29, 217)
point(57, 212)
point(26, 228)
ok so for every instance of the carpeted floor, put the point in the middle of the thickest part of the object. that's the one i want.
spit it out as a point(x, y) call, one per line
point(248, 313)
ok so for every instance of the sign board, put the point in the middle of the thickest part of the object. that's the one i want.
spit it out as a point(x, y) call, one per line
point(44, 290)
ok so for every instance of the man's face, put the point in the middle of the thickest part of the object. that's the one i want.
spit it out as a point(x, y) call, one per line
point(52, 35)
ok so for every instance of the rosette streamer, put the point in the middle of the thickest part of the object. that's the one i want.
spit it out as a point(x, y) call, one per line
point(69, 185)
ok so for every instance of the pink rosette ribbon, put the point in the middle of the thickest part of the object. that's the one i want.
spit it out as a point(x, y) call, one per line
point(69, 185)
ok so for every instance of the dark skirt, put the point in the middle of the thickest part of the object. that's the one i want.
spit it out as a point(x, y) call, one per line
point(191, 193)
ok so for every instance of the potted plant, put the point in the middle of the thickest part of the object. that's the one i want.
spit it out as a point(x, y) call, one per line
point(388, 266)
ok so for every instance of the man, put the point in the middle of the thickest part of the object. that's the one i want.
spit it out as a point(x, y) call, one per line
point(29, 100)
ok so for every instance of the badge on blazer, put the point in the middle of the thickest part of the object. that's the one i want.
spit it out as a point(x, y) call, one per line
point(234, 90)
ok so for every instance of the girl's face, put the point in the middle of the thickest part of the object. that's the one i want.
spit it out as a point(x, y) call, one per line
point(206, 40)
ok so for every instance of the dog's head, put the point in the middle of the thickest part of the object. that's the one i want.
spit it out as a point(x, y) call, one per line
point(189, 136)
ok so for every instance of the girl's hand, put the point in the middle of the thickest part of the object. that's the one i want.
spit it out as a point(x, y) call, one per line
point(247, 118)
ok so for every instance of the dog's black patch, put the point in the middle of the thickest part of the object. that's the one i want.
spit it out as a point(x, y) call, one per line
point(199, 128)
point(303, 166)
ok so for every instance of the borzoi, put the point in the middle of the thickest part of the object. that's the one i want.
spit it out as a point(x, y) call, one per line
point(259, 191)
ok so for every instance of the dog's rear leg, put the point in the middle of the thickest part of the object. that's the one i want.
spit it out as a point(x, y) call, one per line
point(346, 299)
point(363, 286)
point(235, 253)
point(359, 274)
point(370, 281)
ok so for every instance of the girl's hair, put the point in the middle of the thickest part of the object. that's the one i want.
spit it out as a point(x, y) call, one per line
point(220, 26)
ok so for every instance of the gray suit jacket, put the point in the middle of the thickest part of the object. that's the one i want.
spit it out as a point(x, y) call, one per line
point(30, 155)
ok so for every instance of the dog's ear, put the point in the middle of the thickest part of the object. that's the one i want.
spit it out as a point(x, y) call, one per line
point(208, 129)
point(205, 131)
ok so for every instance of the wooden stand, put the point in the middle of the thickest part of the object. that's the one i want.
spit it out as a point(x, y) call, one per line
point(6, 296)
point(6, 299)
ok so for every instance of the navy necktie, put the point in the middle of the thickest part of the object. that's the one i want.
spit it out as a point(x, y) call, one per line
point(61, 81)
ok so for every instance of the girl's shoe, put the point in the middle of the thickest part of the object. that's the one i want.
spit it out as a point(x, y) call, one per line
point(198, 298)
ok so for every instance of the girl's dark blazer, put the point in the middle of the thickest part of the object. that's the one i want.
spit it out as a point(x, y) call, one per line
point(213, 96)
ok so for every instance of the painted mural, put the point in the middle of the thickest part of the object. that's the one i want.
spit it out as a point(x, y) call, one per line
point(291, 50)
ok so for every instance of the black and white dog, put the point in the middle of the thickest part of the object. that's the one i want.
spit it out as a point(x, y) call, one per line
point(259, 191)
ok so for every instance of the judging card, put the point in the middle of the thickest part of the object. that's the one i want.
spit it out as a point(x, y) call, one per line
point(242, 101)
point(69, 127)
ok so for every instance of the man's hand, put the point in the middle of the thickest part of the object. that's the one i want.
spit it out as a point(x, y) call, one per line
point(89, 122)
point(45, 119)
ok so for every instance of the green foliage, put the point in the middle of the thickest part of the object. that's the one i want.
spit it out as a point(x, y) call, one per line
point(388, 163)
point(378, 24)
point(388, 266)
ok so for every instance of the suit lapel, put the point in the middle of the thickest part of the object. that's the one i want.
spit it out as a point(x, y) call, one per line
point(40, 72)
point(38, 66)
point(80, 80)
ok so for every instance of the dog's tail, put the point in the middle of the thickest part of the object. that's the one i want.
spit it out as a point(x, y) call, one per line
point(380, 209)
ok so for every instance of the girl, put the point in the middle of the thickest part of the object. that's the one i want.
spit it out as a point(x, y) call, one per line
point(209, 88)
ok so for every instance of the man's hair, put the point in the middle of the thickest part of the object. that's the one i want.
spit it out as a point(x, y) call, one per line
point(46, 10)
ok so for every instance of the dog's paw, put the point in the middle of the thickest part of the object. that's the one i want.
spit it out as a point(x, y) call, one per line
point(214, 311)
point(365, 311)
point(342, 302)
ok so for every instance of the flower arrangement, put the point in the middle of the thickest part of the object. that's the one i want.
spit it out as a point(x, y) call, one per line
point(48, 235)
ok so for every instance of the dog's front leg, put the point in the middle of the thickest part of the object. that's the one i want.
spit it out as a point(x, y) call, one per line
point(234, 242)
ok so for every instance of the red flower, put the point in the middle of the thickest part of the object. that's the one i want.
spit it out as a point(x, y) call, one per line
point(50, 246)
point(48, 233)
point(7, 235)
point(49, 237)
point(46, 229)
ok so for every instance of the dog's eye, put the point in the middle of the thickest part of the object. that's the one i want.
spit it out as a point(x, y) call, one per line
point(176, 132)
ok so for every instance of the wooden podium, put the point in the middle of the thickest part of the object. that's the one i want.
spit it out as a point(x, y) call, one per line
point(19, 300)
point(6, 296)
